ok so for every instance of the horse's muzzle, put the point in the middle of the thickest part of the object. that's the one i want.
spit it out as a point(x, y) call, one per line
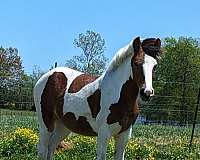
point(146, 95)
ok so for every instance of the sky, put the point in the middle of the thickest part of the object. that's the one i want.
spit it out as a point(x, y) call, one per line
point(44, 30)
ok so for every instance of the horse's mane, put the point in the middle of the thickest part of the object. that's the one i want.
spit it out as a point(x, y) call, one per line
point(127, 51)
point(150, 49)
point(120, 57)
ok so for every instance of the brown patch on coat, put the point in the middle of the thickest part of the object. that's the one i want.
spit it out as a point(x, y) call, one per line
point(138, 57)
point(137, 62)
point(94, 99)
point(125, 111)
point(138, 73)
point(81, 81)
point(80, 125)
point(94, 102)
point(52, 99)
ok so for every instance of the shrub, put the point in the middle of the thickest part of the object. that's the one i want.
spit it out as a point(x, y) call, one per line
point(21, 141)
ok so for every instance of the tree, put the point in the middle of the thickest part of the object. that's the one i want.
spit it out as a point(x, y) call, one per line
point(10, 64)
point(11, 71)
point(180, 68)
point(16, 87)
point(92, 60)
point(36, 74)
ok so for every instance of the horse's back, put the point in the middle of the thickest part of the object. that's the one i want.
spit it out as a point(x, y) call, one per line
point(68, 72)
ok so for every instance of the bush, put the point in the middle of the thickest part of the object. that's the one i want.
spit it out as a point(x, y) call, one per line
point(21, 141)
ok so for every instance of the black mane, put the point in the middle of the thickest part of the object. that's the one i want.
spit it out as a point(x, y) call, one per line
point(148, 46)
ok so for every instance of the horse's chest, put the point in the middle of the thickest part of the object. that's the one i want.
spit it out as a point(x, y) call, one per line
point(125, 111)
point(124, 115)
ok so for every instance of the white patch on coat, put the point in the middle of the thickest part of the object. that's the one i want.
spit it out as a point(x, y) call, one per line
point(77, 102)
point(149, 63)
point(115, 128)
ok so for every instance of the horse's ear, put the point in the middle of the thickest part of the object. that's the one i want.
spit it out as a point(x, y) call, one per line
point(136, 44)
point(157, 42)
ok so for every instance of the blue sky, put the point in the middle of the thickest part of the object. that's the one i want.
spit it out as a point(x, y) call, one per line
point(44, 30)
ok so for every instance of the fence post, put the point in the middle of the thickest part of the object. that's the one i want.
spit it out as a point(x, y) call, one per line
point(194, 121)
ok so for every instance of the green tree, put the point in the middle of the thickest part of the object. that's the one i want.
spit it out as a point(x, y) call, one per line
point(25, 90)
point(28, 83)
point(180, 68)
point(92, 60)
point(36, 74)
point(11, 71)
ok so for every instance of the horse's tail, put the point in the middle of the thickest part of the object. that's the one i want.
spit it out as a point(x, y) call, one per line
point(49, 98)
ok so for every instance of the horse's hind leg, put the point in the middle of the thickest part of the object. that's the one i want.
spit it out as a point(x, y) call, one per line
point(44, 136)
point(121, 141)
point(59, 133)
point(45, 131)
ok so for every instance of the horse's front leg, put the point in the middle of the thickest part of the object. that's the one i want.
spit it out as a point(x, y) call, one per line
point(121, 141)
point(102, 138)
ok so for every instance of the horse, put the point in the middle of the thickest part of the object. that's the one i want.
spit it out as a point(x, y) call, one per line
point(68, 101)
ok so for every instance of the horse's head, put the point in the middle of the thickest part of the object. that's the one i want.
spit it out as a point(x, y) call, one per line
point(143, 62)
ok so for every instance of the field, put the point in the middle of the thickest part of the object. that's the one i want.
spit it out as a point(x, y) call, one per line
point(147, 142)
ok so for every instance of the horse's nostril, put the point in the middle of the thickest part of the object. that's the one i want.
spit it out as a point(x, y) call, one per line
point(145, 95)
point(148, 93)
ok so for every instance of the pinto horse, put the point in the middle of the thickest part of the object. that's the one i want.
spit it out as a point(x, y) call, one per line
point(70, 101)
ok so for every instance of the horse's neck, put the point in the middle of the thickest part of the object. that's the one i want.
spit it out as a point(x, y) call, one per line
point(114, 80)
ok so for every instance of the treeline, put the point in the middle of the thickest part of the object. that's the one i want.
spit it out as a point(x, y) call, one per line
point(16, 86)
point(176, 81)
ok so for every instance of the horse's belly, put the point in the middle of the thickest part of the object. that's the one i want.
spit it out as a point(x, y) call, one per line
point(78, 116)
point(114, 128)
point(79, 126)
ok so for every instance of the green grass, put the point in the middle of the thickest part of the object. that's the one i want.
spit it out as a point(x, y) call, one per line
point(10, 120)
point(148, 141)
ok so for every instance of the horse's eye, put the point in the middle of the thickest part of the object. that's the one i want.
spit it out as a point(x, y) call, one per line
point(138, 64)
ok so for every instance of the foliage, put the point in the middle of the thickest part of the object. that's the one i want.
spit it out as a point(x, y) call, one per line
point(16, 86)
point(10, 63)
point(11, 71)
point(92, 60)
point(36, 74)
point(180, 56)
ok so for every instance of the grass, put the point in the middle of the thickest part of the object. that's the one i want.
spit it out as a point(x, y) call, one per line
point(10, 120)
point(148, 141)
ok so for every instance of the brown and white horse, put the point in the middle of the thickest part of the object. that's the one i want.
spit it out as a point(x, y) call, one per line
point(70, 101)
